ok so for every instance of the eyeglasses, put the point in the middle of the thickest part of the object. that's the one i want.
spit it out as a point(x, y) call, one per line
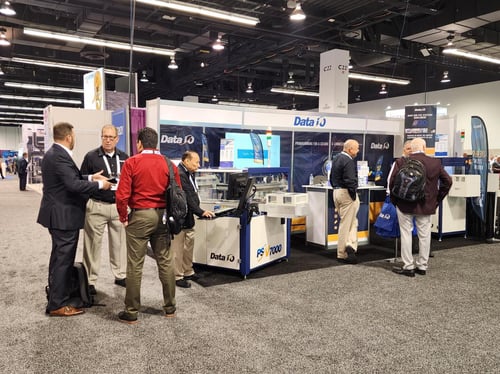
point(108, 137)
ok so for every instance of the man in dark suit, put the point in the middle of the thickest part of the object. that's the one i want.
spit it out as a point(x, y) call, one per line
point(23, 172)
point(183, 243)
point(437, 185)
point(62, 211)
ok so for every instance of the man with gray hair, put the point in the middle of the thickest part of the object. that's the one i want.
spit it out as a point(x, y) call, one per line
point(344, 181)
point(437, 185)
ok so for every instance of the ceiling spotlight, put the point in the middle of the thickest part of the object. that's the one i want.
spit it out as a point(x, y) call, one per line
point(144, 77)
point(173, 64)
point(6, 9)
point(358, 98)
point(298, 14)
point(383, 90)
point(4, 42)
point(290, 78)
point(1, 71)
point(445, 78)
point(218, 46)
point(202, 64)
point(249, 88)
point(214, 99)
point(450, 37)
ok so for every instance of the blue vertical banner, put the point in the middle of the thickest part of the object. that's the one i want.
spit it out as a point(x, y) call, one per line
point(420, 122)
point(479, 142)
point(205, 155)
point(258, 150)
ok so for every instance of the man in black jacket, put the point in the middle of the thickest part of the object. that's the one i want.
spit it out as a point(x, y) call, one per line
point(344, 181)
point(62, 211)
point(23, 172)
point(183, 243)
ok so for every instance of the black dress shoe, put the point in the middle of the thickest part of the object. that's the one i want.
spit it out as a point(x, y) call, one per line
point(351, 255)
point(407, 272)
point(121, 282)
point(420, 271)
point(193, 277)
point(125, 317)
point(92, 290)
point(182, 283)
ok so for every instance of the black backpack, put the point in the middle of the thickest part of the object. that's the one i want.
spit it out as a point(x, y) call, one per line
point(177, 207)
point(79, 291)
point(409, 182)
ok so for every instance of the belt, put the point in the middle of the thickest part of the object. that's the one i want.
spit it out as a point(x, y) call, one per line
point(134, 209)
point(101, 201)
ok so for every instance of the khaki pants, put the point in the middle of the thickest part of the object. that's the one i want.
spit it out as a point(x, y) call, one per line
point(183, 246)
point(348, 227)
point(146, 226)
point(98, 215)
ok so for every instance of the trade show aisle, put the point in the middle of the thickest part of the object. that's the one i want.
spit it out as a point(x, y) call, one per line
point(338, 319)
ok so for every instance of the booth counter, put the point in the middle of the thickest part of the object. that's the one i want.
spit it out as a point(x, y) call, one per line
point(323, 222)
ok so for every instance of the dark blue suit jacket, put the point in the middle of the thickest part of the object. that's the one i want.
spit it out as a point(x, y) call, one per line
point(193, 200)
point(65, 191)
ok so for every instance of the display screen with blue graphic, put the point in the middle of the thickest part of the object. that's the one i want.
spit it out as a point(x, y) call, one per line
point(244, 155)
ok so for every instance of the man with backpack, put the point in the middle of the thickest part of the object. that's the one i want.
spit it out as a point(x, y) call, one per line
point(418, 184)
point(143, 182)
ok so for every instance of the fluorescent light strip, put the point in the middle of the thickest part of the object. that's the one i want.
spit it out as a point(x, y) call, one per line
point(378, 78)
point(98, 42)
point(45, 99)
point(17, 123)
point(20, 119)
point(203, 11)
point(21, 114)
point(247, 105)
point(471, 55)
point(30, 86)
point(61, 65)
point(20, 108)
point(294, 92)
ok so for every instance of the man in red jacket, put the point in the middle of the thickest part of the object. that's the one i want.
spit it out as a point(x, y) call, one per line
point(437, 185)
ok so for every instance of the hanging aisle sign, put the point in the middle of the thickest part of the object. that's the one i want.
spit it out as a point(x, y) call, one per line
point(334, 81)
point(420, 122)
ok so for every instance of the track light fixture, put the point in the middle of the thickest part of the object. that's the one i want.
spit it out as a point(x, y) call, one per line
point(298, 14)
point(6, 9)
point(4, 42)
point(383, 90)
point(218, 45)
point(214, 99)
point(249, 89)
point(173, 64)
point(290, 79)
point(144, 77)
point(445, 78)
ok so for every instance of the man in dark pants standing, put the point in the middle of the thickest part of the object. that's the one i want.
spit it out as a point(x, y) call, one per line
point(23, 172)
point(183, 243)
point(62, 211)
point(344, 181)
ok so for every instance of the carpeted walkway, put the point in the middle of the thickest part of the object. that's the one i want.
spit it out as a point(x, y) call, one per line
point(292, 317)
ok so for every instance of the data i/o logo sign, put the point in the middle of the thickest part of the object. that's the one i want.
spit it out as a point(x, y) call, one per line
point(309, 122)
point(179, 140)
point(268, 251)
point(221, 257)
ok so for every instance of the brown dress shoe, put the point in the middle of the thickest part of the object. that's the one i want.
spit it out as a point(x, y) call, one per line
point(66, 311)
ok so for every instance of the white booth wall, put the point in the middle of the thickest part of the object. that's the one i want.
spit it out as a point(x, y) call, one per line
point(87, 125)
point(462, 103)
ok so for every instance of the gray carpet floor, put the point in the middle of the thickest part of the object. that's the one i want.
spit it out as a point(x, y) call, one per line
point(341, 319)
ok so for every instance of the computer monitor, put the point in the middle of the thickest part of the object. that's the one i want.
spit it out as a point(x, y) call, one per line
point(236, 184)
point(247, 194)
